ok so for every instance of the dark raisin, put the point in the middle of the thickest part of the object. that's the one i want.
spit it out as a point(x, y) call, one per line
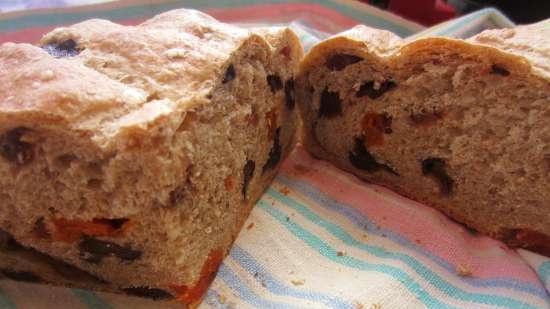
point(498, 70)
point(24, 276)
point(40, 229)
point(248, 172)
point(7, 242)
point(13, 149)
point(94, 250)
point(274, 154)
point(367, 89)
point(340, 61)
point(64, 49)
point(361, 159)
point(275, 83)
point(436, 167)
point(290, 95)
point(142, 291)
point(176, 196)
point(330, 104)
point(229, 74)
point(114, 223)
point(528, 239)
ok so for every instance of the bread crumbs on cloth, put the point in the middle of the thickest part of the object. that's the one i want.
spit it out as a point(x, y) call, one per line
point(298, 282)
point(463, 270)
point(284, 190)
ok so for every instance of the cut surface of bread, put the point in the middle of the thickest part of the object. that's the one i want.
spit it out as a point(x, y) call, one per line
point(461, 125)
point(133, 154)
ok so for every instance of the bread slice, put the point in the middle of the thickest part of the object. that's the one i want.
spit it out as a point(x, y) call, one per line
point(461, 125)
point(133, 154)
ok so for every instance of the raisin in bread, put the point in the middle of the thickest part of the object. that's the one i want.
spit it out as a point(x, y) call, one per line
point(130, 156)
point(461, 125)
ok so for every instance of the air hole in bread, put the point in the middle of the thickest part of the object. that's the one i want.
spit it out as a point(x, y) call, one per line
point(362, 159)
point(330, 104)
point(499, 70)
point(338, 62)
point(275, 153)
point(275, 83)
point(248, 173)
point(147, 292)
point(230, 74)
point(436, 167)
point(290, 94)
point(14, 148)
point(63, 49)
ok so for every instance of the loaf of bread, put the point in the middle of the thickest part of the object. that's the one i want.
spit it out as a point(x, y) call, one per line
point(130, 156)
point(461, 125)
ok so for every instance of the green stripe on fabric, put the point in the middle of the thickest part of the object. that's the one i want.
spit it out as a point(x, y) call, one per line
point(148, 10)
point(331, 254)
point(5, 301)
point(419, 268)
point(90, 299)
point(374, 20)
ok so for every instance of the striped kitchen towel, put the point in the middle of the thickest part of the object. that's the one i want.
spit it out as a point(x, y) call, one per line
point(319, 237)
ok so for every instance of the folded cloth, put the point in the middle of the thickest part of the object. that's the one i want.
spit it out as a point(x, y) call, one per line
point(319, 237)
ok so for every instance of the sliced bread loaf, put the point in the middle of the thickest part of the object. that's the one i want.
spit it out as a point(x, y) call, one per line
point(461, 125)
point(133, 154)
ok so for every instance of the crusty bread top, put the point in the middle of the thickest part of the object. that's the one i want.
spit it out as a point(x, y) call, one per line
point(177, 54)
point(523, 47)
point(531, 42)
point(124, 77)
point(36, 87)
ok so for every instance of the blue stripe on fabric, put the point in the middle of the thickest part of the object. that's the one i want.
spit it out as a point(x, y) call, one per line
point(330, 253)
point(428, 275)
point(462, 21)
point(5, 301)
point(91, 299)
point(360, 221)
point(276, 287)
point(235, 283)
point(544, 273)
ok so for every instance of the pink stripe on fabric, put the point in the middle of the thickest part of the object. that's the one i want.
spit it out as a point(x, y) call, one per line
point(431, 229)
point(33, 35)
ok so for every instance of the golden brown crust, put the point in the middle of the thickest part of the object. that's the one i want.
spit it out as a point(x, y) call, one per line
point(42, 88)
point(530, 42)
point(521, 46)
